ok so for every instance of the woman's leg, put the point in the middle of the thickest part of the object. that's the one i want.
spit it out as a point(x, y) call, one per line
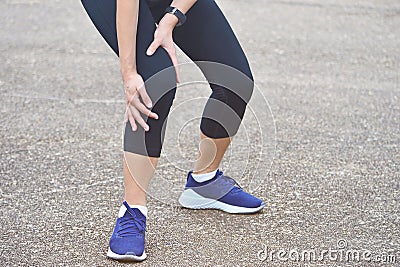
point(210, 154)
point(138, 171)
point(141, 149)
point(209, 41)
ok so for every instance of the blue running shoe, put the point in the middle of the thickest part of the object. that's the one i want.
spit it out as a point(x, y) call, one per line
point(221, 192)
point(127, 240)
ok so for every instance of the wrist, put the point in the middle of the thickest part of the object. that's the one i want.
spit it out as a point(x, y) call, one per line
point(127, 71)
point(169, 20)
point(181, 17)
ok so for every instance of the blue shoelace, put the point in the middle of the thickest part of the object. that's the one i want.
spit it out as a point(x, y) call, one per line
point(131, 225)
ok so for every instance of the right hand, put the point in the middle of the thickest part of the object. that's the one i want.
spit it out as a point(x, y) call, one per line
point(137, 101)
point(163, 38)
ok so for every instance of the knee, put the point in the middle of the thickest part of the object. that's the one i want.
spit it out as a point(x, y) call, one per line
point(231, 79)
point(247, 90)
point(247, 84)
point(241, 86)
point(160, 83)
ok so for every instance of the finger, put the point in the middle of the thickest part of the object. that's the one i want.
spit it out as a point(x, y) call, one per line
point(131, 120)
point(142, 108)
point(129, 99)
point(139, 119)
point(126, 115)
point(152, 47)
point(145, 97)
point(172, 54)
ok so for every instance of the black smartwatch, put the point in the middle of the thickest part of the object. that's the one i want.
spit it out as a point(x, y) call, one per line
point(174, 11)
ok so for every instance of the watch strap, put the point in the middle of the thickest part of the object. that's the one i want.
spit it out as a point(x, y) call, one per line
point(175, 11)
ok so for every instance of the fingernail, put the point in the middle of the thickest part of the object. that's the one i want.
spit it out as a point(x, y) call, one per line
point(148, 52)
point(156, 117)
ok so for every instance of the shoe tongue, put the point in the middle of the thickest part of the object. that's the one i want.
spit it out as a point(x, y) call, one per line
point(229, 180)
point(141, 209)
point(232, 184)
point(138, 210)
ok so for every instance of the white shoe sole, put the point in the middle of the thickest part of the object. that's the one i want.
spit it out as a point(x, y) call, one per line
point(116, 256)
point(191, 200)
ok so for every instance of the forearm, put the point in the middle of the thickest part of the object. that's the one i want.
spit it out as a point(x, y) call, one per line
point(127, 17)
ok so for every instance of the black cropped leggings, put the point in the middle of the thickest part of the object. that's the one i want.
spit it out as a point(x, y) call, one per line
point(208, 40)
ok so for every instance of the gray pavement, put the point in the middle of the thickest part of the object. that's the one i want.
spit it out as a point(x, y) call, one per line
point(330, 73)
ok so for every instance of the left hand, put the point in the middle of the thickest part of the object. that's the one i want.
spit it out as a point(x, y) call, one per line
point(163, 38)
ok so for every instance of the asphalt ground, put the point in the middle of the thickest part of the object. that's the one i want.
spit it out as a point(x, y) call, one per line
point(319, 143)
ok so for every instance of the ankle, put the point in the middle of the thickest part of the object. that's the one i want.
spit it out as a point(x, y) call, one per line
point(143, 209)
point(133, 201)
point(203, 177)
point(204, 171)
